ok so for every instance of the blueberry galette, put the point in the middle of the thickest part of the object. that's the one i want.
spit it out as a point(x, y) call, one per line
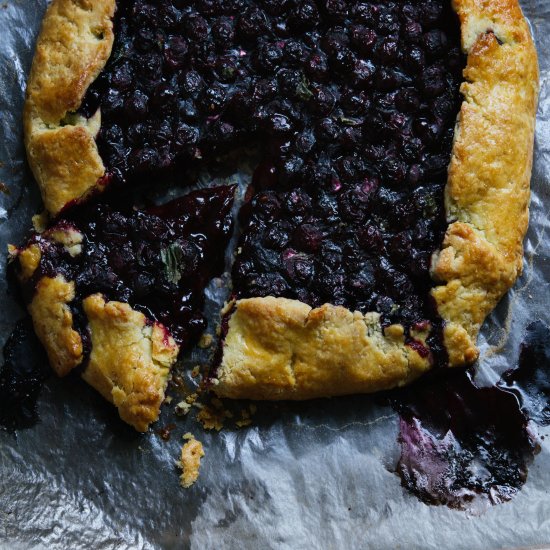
point(392, 144)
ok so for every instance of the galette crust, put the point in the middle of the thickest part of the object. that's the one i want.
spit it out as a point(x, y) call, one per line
point(53, 323)
point(51, 315)
point(487, 193)
point(73, 47)
point(282, 349)
point(130, 359)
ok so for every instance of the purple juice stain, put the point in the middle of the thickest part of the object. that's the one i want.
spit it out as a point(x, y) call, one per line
point(467, 446)
point(22, 376)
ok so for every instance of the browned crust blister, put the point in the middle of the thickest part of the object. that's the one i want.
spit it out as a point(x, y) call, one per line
point(73, 46)
point(277, 348)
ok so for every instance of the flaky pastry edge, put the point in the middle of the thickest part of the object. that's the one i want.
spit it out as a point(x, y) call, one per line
point(73, 47)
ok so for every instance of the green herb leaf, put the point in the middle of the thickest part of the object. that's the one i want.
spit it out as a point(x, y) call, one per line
point(303, 91)
point(430, 206)
point(172, 258)
point(349, 121)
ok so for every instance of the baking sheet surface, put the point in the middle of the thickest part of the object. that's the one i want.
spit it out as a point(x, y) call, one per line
point(318, 474)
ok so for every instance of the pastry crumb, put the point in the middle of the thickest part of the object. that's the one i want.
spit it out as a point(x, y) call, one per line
point(212, 418)
point(245, 419)
point(178, 383)
point(205, 341)
point(182, 408)
point(190, 460)
point(40, 222)
point(191, 398)
point(196, 371)
point(243, 423)
point(246, 416)
point(168, 399)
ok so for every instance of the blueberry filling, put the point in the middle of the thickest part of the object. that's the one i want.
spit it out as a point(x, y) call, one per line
point(158, 260)
point(351, 106)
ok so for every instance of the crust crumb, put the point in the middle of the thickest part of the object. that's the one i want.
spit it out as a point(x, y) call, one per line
point(182, 408)
point(246, 416)
point(212, 416)
point(205, 341)
point(178, 383)
point(40, 222)
point(190, 460)
point(191, 398)
point(196, 371)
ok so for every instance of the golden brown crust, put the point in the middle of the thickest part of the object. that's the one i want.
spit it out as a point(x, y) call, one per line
point(488, 186)
point(190, 460)
point(130, 359)
point(65, 163)
point(49, 309)
point(29, 260)
point(282, 349)
point(72, 48)
point(53, 323)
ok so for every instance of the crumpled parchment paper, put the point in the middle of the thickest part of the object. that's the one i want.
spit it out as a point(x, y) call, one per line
point(308, 475)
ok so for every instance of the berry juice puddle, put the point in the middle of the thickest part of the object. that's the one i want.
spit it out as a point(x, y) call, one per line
point(351, 107)
point(466, 446)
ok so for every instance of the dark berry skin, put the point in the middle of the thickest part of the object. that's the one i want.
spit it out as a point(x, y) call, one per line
point(350, 107)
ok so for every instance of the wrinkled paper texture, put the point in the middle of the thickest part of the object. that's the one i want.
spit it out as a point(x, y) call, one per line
point(309, 475)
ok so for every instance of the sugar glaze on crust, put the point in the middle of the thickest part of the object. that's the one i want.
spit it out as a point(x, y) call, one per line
point(277, 348)
point(281, 349)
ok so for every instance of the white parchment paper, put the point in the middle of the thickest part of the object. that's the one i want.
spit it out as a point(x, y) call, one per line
point(310, 475)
